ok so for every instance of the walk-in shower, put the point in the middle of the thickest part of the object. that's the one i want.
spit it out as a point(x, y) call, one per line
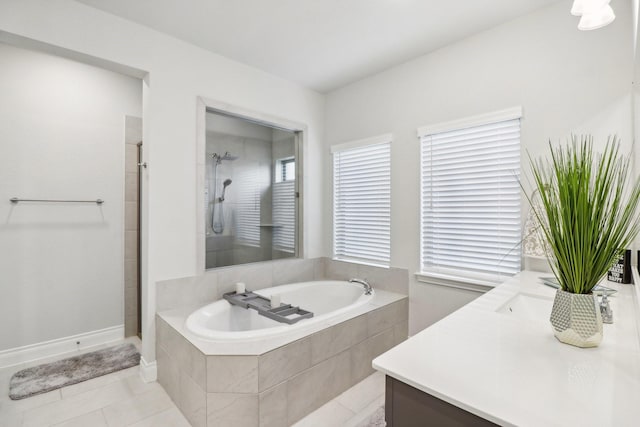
point(250, 191)
point(217, 203)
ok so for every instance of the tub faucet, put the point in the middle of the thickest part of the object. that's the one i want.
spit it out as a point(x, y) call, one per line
point(363, 282)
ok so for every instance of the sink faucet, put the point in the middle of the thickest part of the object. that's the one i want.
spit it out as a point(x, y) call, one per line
point(605, 309)
point(363, 282)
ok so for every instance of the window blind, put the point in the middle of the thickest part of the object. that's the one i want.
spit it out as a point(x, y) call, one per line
point(247, 208)
point(471, 200)
point(284, 216)
point(362, 203)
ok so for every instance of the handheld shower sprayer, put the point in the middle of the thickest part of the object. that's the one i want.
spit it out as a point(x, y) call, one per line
point(227, 182)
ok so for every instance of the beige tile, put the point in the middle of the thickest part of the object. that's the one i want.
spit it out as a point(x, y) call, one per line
point(228, 409)
point(319, 268)
point(330, 414)
point(273, 406)
point(168, 374)
point(284, 362)
point(388, 279)
point(137, 385)
point(130, 187)
point(385, 317)
point(130, 301)
point(168, 418)
point(131, 158)
point(362, 394)
point(232, 374)
point(133, 130)
point(98, 382)
point(314, 387)
point(193, 401)
point(363, 353)
point(131, 216)
point(93, 419)
point(130, 325)
point(334, 340)
point(293, 271)
point(255, 276)
point(80, 404)
point(135, 409)
point(187, 291)
point(185, 355)
point(130, 245)
point(400, 332)
point(131, 273)
point(340, 270)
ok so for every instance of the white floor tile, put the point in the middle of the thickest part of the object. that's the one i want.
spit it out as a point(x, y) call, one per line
point(77, 405)
point(98, 382)
point(169, 418)
point(137, 408)
point(363, 393)
point(30, 402)
point(365, 413)
point(331, 414)
point(92, 419)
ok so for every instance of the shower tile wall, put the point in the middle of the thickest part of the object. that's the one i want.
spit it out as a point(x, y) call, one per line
point(133, 135)
point(251, 168)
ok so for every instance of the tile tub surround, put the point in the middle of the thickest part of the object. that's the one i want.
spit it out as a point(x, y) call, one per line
point(212, 284)
point(273, 386)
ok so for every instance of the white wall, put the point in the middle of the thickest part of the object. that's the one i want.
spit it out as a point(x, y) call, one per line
point(565, 80)
point(61, 137)
point(178, 74)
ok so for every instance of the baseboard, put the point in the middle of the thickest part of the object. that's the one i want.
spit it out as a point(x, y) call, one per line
point(33, 352)
point(148, 370)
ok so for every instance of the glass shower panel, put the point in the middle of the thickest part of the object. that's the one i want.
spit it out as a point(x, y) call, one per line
point(250, 192)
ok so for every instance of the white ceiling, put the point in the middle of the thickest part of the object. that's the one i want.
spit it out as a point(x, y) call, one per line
point(321, 44)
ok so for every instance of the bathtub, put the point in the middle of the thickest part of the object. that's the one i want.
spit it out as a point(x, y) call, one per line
point(326, 299)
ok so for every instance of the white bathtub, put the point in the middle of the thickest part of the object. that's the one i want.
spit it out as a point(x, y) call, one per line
point(221, 321)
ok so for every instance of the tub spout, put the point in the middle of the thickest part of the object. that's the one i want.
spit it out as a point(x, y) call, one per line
point(363, 282)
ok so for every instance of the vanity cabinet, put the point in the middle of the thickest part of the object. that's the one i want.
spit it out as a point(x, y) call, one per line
point(406, 406)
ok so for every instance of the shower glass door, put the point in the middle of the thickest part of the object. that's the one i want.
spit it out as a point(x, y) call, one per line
point(250, 192)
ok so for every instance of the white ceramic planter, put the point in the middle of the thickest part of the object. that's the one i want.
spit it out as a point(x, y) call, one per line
point(576, 319)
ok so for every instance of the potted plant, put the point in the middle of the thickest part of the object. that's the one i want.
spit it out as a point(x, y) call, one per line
point(588, 214)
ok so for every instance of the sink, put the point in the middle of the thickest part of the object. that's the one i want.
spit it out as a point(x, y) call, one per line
point(528, 307)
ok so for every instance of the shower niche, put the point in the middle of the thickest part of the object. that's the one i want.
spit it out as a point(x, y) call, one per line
point(251, 191)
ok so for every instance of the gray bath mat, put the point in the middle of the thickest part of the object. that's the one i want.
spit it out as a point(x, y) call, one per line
point(51, 376)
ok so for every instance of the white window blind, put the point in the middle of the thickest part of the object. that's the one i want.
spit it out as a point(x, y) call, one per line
point(284, 216)
point(247, 209)
point(362, 203)
point(471, 200)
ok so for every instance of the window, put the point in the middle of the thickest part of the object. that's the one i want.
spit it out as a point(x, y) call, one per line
point(362, 201)
point(284, 206)
point(471, 197)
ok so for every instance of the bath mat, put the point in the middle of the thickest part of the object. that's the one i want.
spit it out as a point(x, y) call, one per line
point(51, 376)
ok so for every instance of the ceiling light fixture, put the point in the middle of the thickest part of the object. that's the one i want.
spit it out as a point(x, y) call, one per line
point(593, 14)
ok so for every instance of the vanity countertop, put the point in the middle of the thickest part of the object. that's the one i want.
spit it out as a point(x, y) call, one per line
point(497, 358)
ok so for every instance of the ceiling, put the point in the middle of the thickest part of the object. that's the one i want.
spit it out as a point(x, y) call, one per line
point(320, 44)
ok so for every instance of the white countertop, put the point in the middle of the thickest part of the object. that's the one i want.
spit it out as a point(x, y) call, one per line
point(513, 371)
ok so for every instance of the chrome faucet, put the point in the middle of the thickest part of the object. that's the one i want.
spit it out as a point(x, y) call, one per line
point(605, 309)
point(367, 287)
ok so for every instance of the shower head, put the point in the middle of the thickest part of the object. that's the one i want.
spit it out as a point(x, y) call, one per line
point(226, 156)
point(225, 184)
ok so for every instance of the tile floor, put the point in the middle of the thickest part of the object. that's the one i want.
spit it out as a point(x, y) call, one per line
point(123, 399)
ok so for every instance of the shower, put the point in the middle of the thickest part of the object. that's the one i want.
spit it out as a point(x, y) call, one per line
point(217, 209)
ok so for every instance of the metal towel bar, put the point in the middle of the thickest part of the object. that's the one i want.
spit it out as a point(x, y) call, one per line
point(16, 200)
